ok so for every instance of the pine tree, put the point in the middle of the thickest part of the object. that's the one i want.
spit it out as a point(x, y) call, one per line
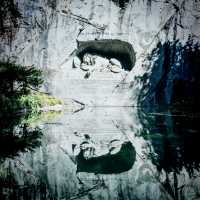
point(19, 80)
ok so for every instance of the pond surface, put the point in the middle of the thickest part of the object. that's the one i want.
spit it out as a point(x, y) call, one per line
point(102, 153)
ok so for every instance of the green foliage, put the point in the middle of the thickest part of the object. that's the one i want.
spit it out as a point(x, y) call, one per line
point(38, 100)
point(27, 103)
point(17, 79)
point(18, 88)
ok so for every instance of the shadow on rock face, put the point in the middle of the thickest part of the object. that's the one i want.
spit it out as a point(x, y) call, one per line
point(108, 164)
point(174, 78)
point(121, 3)
point(108, 48)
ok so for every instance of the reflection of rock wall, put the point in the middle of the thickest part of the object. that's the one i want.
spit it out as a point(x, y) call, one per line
point(51, 170)
point(174, 139)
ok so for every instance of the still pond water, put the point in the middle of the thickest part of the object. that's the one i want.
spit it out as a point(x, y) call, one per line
point(101, 153)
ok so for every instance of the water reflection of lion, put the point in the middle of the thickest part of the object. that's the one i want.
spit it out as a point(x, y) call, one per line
point(108, 163)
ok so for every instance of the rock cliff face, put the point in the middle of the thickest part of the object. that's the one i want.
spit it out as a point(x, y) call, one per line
point(48, 39)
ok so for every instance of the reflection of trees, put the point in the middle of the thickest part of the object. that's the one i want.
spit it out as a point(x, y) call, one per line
point(17, 136)
point(174, 139)
point(11, 145)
